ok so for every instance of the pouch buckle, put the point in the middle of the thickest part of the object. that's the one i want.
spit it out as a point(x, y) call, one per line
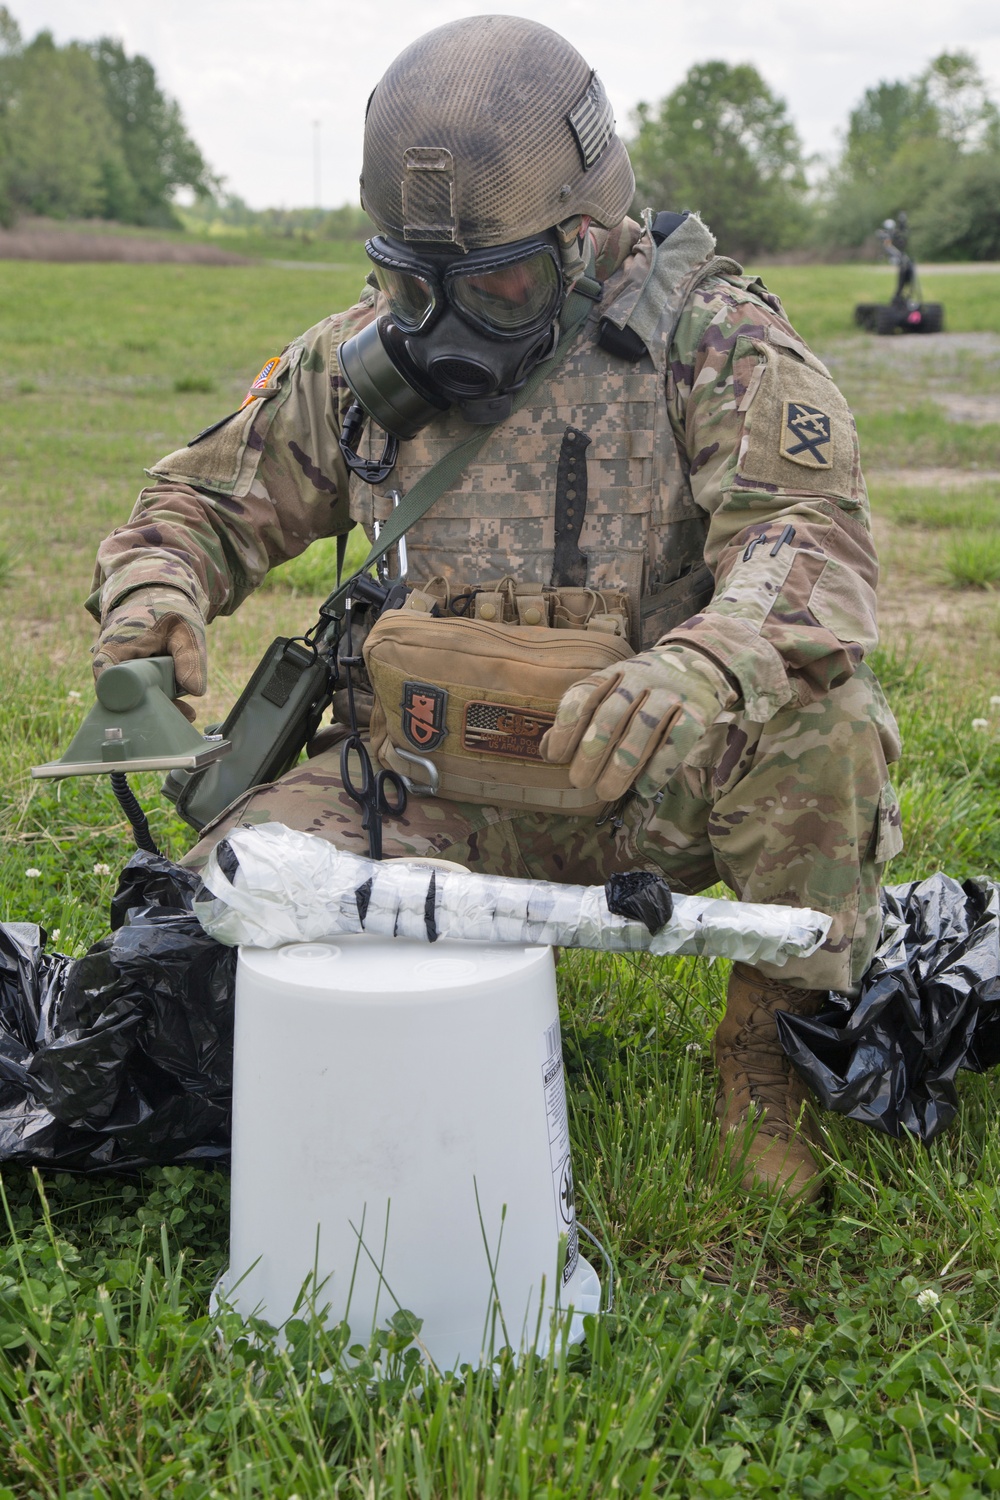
point(428, 788)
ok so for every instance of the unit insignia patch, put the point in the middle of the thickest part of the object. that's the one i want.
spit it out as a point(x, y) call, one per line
point(423, 714)
point(806, 436)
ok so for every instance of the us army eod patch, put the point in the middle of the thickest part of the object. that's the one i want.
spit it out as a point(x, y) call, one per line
point(503, 729)
point(423, 709)
point(806, 436)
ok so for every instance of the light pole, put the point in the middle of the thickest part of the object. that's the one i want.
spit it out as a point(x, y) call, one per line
point(317, 193)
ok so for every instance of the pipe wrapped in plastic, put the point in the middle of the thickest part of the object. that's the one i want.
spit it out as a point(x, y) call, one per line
point(272, 885)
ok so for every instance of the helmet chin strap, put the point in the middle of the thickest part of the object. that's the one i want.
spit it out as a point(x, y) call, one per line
point(576, 249)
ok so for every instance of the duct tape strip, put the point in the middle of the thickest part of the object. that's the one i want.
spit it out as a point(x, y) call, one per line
point(291, 887)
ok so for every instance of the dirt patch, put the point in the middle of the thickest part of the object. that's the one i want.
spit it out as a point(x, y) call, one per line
point(935, 618)
point(67, 245)
point(922, 353)
point(949, 627)
point(932, 479)
point(960, 268)
point(976, 410)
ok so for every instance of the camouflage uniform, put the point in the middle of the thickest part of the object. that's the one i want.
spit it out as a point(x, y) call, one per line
point(724, 492)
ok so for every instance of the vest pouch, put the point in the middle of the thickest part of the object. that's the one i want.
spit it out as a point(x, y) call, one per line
point(675, 602)
point(475, 699)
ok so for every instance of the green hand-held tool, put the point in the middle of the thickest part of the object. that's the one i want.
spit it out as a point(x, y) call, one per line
point(135, 726)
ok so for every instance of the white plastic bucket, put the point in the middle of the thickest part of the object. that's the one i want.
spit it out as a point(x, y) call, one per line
point(399, 1123)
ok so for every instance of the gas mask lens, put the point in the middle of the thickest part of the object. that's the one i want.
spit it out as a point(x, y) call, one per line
point(513, 299)
point(506, 293)
point(411, 298)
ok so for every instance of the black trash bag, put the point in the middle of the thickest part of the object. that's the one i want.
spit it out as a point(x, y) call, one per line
point(31, 983)
point(123, 1058)
point(151, 881)
point(929, 1005)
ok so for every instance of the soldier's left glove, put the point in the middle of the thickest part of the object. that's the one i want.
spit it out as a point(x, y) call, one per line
point(633, 724)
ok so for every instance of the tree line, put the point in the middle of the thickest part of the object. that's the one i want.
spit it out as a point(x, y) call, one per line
point(87, 132)
point(723, 143)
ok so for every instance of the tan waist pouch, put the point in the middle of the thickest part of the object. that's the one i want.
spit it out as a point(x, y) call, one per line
point(475, 698)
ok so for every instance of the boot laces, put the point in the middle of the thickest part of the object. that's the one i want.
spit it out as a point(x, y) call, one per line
point(765, 1072)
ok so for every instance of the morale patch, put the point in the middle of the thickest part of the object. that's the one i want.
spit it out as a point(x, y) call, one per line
point(502, 729)
point(423, 714)
point(259, 384)
point(806, 436)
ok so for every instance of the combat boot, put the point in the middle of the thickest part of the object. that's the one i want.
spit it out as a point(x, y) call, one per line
point(759, 1087)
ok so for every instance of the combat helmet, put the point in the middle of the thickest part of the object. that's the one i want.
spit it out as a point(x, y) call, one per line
point(488, 130)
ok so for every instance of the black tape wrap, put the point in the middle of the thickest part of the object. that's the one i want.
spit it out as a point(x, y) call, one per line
point(430, 912)
point(641, 897)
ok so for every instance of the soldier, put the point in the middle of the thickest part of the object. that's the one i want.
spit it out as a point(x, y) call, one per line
point(685, 455)
point(894, 235)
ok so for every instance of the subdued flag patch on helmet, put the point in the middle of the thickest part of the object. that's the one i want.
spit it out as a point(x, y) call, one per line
point(806, 436)
point(592, 122)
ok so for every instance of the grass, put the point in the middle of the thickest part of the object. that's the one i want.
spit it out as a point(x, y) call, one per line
point(343, 254)
point(314, 572)
point(750, 1354)
point(923, 435)
point(186, 385)
point(934, 509)
point(973, 559)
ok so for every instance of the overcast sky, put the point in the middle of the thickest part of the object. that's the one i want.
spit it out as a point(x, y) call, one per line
point(252, 76)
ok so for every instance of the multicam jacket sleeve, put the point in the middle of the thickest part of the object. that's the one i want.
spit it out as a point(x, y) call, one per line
point(248, 493)
point(774, 460)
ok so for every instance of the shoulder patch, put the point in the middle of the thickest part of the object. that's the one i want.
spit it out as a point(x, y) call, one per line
point(260, 384)
point(806, 436)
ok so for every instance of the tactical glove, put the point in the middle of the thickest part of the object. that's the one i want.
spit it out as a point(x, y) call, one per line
point(156, 621)
point(633, 723)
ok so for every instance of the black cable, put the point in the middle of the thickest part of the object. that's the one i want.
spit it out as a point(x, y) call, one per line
point(130, 807)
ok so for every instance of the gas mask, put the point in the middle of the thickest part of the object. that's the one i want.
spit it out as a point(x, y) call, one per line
point(460, 331)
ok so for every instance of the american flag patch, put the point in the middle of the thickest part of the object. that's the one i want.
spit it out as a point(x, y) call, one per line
point(262, 380)
point(503, 729)
point(592, 122)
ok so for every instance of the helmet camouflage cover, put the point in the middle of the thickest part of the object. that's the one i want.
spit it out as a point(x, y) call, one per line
point(486, 131)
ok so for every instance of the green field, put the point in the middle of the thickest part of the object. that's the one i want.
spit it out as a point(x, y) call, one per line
point(749, 1353)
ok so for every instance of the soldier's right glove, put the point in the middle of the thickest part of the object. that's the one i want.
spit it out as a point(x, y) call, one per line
point(156, 621)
